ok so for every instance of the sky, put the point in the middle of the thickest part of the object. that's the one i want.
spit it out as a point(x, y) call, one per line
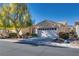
point(57, 12)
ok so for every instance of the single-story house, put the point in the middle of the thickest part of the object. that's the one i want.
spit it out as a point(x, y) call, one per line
point(48, 28)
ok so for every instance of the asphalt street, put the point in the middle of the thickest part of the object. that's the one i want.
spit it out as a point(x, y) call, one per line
point(17, 49)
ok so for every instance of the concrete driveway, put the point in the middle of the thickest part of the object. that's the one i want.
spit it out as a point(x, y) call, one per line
point(16, 49)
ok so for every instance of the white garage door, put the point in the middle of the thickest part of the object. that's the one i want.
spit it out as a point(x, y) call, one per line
point(47, 32)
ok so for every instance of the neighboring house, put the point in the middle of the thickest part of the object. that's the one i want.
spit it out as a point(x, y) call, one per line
point(63, 27)
point(72, 29)
point(72, 32)
point(48, 28)
point(77, 28)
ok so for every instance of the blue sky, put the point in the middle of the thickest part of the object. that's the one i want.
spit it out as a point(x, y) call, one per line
point(55, 12)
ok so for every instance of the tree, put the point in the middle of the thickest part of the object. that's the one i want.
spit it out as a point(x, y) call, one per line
point(4, 16)
point(17, 15)
point(20, 16)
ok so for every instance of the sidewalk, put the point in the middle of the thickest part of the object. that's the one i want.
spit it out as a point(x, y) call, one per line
point(62, 45)
point(46, 43)
point(11, 40)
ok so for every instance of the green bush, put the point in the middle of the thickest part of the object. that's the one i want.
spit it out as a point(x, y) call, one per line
point(34, 35)
point(75, 36)
point(64, 35)
point(12, 35)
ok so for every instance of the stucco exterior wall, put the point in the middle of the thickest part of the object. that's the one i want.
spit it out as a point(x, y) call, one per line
point(77, 29)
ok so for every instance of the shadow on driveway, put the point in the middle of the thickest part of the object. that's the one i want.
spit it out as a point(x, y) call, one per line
point(34, 44)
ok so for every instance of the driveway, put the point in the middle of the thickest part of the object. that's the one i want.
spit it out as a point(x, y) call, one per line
point(17, 49)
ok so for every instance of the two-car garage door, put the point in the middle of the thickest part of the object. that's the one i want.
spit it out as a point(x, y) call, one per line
point(47, 32)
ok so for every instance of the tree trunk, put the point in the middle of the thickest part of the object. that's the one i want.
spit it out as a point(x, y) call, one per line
point(18, 36)
point(17, 31)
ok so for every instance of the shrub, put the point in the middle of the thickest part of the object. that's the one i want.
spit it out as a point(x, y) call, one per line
point(34, 35)
point(12, 35)
point(27, 34)
point(75, 36)
point(64, 35)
